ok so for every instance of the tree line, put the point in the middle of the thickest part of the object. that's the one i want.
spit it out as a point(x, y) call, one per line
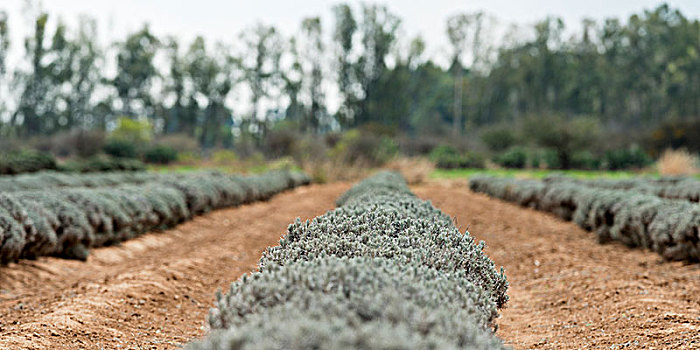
point(632, 73)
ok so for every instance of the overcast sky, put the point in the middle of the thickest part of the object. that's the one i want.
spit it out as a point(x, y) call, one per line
point(222, 20)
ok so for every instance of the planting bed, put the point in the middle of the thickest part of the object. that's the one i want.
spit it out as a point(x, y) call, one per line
point(154, 291)
point(671, 227)
point(66, 219)
point(385, 270)
point(686, 188)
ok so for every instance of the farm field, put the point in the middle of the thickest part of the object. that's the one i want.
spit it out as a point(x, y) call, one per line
point(453, 174)
point(565, 289)
point(351, 175)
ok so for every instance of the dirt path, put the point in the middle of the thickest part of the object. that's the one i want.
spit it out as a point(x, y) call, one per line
point(154, 292)
point(569, 292)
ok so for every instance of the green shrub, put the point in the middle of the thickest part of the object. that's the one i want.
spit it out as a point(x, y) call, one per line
point(70, 143)
point(362, 147)
point(535, 159)
point(585, 160)
point(562, 134)
point(102, 163)
point(675, 134)
point(137, 132)
point(446, 157)
point(551, 159)
point(120, 148)
point(499, 138)
point(626, 158)
point(160, 154)
point(515, 157)
point(26, 161)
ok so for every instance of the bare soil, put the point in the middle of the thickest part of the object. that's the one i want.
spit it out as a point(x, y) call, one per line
point(154, 292)
point(569, 292)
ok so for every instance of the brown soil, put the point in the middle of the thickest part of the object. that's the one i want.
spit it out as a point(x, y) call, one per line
point(569, 292)
point(154, 292)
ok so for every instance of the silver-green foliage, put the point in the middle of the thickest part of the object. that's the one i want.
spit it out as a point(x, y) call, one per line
point(52, 179)
point(685, 188)
point(366, 303)
point(633, 214)
point(385, 270)
point(523, 192)
point(68, 220)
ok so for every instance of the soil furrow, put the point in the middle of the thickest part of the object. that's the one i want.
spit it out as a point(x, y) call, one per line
point(152, 292)
point(566, 290)
point(569, 292)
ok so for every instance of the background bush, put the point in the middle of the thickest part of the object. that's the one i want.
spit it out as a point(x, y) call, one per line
point(121, 148)
point(499, 138)
point(446, 157)
point(626, 158)
point(26, 161)
point(102, 164)
point(585, 160)
point(160, 154)
point(360, 147)
point(515, 157)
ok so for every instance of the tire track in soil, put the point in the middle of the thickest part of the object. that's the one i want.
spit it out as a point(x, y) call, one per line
point(569, 292)
point(152, 292)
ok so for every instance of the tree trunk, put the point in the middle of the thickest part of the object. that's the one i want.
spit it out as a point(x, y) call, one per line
point(457, 118)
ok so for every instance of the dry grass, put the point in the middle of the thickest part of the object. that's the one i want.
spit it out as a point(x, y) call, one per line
point(677, 162)
point(415, 170)
point(335, 170)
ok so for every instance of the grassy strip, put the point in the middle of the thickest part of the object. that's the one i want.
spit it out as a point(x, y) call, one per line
point(532, 173)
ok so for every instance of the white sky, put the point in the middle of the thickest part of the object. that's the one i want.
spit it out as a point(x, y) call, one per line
point(223, 20)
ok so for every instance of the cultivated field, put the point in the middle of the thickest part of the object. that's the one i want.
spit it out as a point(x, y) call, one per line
point(365, 271)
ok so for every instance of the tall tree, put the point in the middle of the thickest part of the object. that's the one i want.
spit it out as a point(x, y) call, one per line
point(75, 75)
point(176, 118)
point(4, 42)
point(34, 82)
point(135, 72)
point(210, 74)
point(4, 48)
point(463, 30)
point(313, 54)
point(379, 29)
point(261, 69)
point(345, 28)
point(294, 78)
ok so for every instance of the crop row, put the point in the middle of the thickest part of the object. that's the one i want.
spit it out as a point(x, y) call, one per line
point(67, 221)
point(385, 270)
point(667, 226)
point(685, 188)
point(53, 179)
